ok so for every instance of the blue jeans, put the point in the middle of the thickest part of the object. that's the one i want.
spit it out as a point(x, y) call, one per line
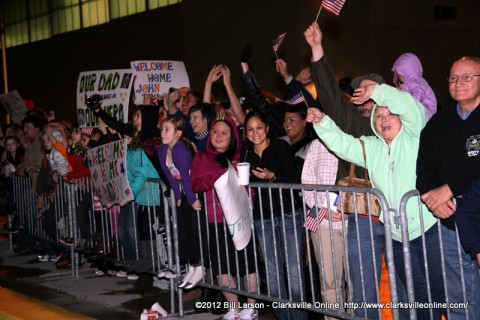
point(419, 275)
point(454, 280)
point(360, 250)
point(288, 250)
point(126, 231)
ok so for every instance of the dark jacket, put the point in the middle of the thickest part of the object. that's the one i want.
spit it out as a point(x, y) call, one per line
point(279, 159)
point(256, 101)
point(345, 114)
point(449, 153)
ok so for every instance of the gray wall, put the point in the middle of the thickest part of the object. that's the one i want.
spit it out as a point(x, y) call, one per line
point(367, 37)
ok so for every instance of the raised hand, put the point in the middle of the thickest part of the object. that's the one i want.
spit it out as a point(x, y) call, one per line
point(281, 67)
point(304, 76)
point(226, 75)
point(314, 115)
point(313, 36)
point(363, 94)
point(215, 73)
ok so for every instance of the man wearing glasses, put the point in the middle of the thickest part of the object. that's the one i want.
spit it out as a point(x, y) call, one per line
point(448, 162)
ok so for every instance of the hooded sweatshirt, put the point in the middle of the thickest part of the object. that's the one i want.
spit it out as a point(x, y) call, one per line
point(410, 68)
point(206, 170)
point(149, 135)
point(392, 167)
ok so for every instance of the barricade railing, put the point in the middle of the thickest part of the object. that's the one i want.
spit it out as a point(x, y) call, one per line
point(74, 219)
point(49, 219)
point(458, 277)
point(277, 254)
point(328, 271)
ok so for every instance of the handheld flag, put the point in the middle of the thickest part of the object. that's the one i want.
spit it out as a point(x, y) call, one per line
point(333, 6)
point(298, 98)
point(278, 41)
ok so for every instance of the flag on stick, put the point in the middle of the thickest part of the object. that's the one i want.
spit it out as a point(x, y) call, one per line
point(333, 6)
point(278, 41)
point(298, 98)
point(311, 222)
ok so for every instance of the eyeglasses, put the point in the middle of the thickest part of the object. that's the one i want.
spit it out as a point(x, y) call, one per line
point(466, 77)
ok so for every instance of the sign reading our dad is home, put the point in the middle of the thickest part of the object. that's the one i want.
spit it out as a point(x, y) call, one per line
point(108, 169)
point(113, 86)
point(156, 77)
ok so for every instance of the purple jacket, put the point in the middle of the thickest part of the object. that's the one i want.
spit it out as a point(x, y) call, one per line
point(183, 162)
point(410, 68)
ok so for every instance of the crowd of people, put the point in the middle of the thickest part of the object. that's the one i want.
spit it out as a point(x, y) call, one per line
point(188, 140)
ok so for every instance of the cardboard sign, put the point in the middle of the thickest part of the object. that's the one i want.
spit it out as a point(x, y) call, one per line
point(108, 169)
point(113, 85)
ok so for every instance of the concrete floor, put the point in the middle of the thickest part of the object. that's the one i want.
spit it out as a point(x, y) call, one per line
point(99, 297)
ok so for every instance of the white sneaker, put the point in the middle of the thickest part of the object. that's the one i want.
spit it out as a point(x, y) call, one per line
point(53, 258)
point(171, 273)
point(121, 274)
point(231, 315)
point(132, 277)
point(43, 258)
point(163, 271)
point(248, 314)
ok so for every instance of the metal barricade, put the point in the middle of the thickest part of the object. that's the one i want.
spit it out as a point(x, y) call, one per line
point(451, 271)
point(279, 265)
point(339, 279)
point(56, 224)
point(74, 220)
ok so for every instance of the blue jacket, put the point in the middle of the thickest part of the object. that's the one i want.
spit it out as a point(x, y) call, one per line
point(139, 169)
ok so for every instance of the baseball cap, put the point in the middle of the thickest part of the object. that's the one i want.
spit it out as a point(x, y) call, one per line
point(369, 76)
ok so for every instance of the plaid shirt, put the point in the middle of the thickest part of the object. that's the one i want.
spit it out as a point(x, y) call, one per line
point(320, 167)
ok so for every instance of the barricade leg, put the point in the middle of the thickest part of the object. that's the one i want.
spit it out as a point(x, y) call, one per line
point(462, 277)
point(273, 243)
point(365, 265)
point(424, 292)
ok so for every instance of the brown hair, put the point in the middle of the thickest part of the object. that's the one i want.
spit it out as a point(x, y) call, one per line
point(180, 125)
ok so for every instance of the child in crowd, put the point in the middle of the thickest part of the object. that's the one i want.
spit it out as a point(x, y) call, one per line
point(408, 77)
point(54, 164)
point(175, 156)
point(14, 155)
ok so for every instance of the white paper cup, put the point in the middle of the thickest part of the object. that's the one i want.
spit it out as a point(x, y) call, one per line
point(243, 169)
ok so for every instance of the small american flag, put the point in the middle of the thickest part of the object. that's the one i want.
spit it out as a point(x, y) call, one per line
point(296, 99)
point(278, 41)
point(87, 130)
point(333, 6)
point(311, 222)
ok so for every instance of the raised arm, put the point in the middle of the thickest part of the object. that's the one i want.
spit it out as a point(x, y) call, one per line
point(232, 97)
point(213, 76)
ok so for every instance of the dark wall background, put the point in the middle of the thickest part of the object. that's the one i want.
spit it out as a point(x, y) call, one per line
point(368, 36)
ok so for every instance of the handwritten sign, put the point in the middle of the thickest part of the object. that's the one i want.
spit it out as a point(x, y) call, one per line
point(108, 169)
point(113, 85)
point(235, 206)
point(156, 77)
point(14, 105)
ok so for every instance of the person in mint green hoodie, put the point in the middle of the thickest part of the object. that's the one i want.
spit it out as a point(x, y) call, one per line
point(397, 120)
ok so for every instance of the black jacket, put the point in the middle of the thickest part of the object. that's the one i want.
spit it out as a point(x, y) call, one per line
point(279, 159)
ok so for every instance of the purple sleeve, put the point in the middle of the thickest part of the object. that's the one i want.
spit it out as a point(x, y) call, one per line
point(183, 162)
point(162, 157)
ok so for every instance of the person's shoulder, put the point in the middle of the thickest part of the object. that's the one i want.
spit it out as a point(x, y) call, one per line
point(278, 143)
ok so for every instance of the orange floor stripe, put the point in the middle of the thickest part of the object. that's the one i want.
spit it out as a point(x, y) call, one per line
point(14, 305)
